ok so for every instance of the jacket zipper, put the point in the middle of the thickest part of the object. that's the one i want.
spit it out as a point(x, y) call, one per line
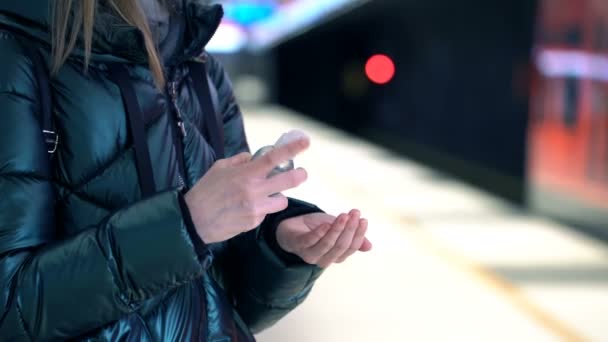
point(179, 120)
point(172, 87)
point(180, 180)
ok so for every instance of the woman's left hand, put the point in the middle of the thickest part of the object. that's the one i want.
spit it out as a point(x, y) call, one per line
point(322, 239)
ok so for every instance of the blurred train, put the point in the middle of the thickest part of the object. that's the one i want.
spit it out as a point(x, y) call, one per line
point(460, 99)
point(568, 132)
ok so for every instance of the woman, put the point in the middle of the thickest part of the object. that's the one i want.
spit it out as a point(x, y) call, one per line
point(130, 229)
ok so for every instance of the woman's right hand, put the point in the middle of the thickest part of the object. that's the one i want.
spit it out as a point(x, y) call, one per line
point(235, 195)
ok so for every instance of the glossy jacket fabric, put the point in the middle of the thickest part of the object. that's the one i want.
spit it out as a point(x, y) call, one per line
point(82, 255)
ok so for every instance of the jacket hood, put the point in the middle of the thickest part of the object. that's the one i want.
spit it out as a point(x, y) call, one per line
point(115, 41)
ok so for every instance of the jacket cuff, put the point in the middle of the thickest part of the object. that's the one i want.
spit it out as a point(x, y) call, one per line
point(152, 246)
point(272, 281)
point(295, 208)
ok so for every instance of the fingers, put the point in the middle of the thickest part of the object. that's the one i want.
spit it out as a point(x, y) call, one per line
point(325, 244)
point(330, 243)
point(266, 163)
point(357, 241)
point(271, 204)
point(235, 160)
point(344, 242)
point(284, 181)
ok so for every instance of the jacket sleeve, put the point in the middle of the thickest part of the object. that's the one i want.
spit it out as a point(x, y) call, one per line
point(56, 289)
point(264, 285)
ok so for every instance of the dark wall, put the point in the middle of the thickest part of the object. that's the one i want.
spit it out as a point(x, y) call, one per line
point(458, 99)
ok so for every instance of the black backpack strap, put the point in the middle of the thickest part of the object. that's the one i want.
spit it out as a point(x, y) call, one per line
point(213, 129)
point(137, 128)
point(41, 73)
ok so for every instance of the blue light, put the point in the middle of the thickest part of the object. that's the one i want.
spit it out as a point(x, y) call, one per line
point(249, 13)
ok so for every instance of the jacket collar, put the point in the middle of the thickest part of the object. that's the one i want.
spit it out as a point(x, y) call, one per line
point(115, 41)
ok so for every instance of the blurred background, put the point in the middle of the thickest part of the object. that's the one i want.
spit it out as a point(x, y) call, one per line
point(474, 136)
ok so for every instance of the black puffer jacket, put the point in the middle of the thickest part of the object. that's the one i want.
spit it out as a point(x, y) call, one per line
point(82, 255)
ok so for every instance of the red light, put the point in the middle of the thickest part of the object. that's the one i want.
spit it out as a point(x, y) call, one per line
point(380, 69)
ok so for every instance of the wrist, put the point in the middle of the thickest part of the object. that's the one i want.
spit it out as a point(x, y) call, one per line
point(201, 227)
point(271, 236)
point(270, 229)
point(281, 241)
point(197, 241)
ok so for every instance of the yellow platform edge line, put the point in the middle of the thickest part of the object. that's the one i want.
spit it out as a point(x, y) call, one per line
point(496, 283)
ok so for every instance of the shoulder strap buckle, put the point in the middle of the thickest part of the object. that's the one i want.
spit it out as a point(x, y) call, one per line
point(51, 138)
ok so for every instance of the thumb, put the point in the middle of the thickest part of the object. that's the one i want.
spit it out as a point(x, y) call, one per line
point(366, 246)
point(238, 159)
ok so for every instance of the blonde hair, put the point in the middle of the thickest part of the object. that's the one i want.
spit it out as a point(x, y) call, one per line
point(71, 18)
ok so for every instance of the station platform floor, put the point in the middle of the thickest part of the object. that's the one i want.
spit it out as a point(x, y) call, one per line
point(450, 262)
